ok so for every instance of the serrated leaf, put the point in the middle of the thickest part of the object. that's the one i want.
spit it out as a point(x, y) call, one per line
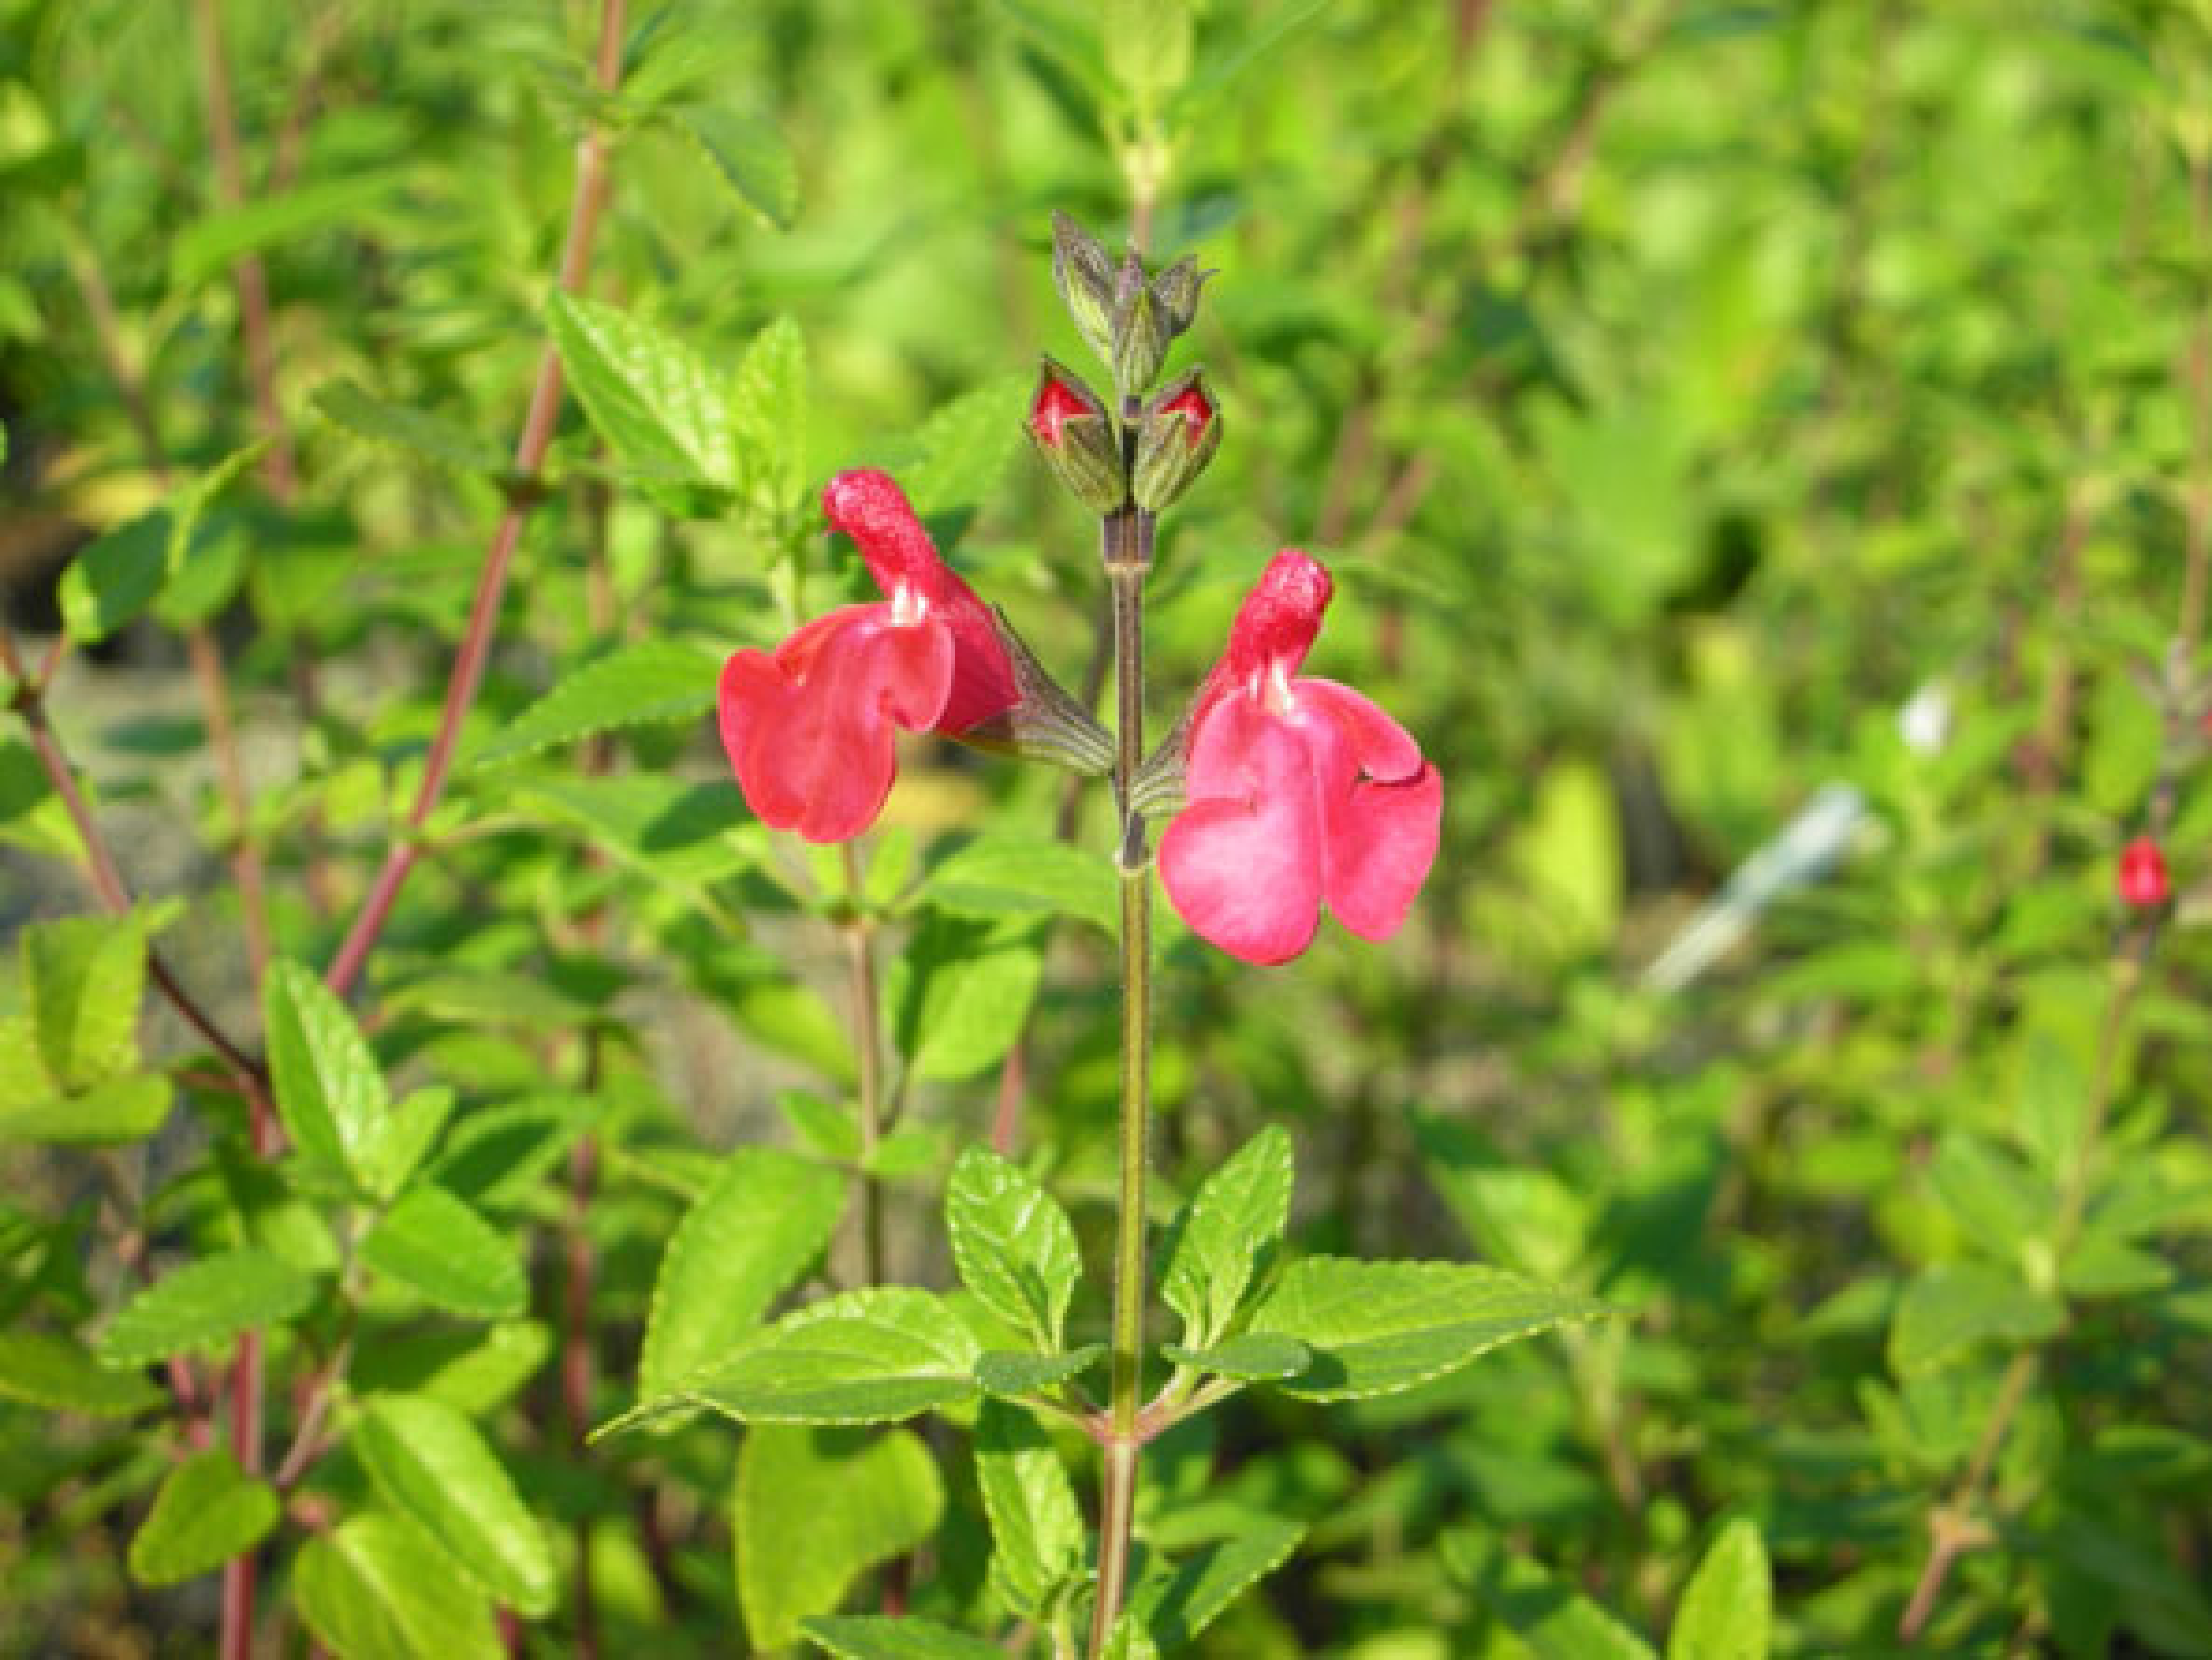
point(206, 1511)
point(432, 1466)
point(871, 1356)
point(329, 1090)
point(448, 1255)
point(966, 444)
point(1950, 1307)
point(1037, 1530)
point(57, 1375)
point(471, 1371)
point(658, 403)
point(84, 977)
point(1013, 1245)
point(373, 1589)
point(768, 421)
point(1253, 1357)
point(1379, 1328)
point(1175, 1610)
point(767, 1216)
point(866, 1497)
point(1015, 1373)
point(749, 157)
point(354, 409)
point(202, 1306)
point(634, 685)
point(1237, 1213)
point(122, 1110)
point(1021, 876)
point(1726, 1613)
point(869, 1637)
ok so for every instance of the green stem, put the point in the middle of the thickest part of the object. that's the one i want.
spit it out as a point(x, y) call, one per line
point(1126, 543)
point(868, 1040)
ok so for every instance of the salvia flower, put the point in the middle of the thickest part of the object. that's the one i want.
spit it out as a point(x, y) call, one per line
point(1298, 792)
point(2142, 879)
point(810, 727)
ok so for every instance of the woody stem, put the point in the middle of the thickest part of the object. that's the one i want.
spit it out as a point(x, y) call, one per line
point(1127, 543)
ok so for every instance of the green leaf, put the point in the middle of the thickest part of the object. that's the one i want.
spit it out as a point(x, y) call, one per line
point(122, 1110)
point(120, 575)
point(1037, 1530)
point(657, 401)
point(749, 157)
point(84, 977)
point(448, 1255)
point(1253, 1357)
point(766, 1219)
point(1950, 1307)
point(206, 1511)
point(432, 1466)
point(675, 831)
point(213, 242)
point(1215, 1246)
point(866, 1497)
point(1175, 1610)
point(1148, 46)
point(1991, 1192)
point(652, 681)
point(1025, 876)
point(203, 1305)
point(1553, 1620)
point(870, 1637)
point(1013, 1245)
point(347, 405)
point(398, 1143)
point(1015, 1373)
point(768, 422)
point(115, 578)
point(1726, 1613)
point(57, 1375)
point(374, 1589)
point(1380, 1327)
point(871, 1356)
point(329, 1090)
point(966, 444)
point(962, 992)
point(472, 1372)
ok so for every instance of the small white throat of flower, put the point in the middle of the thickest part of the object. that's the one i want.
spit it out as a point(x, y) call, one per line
point(908, 607)
point(1272, 687)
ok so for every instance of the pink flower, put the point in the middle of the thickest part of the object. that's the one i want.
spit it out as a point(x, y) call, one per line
point(2144, 882)
point(809, 728)
point(1300, 792)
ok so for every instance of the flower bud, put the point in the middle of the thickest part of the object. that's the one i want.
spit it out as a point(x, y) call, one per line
point(1176, 289)
point(2142, 878)
point(1176, 436)
point(1074, 433)
point(1085, 279)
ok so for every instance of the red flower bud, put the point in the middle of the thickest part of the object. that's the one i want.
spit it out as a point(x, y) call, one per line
point(1071, 431)
point(2143, 881)
point(1176, 436)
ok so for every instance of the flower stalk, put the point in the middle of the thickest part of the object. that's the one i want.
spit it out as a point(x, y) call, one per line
point(1126, 542)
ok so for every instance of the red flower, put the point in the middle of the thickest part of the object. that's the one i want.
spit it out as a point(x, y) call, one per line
point(2142, 874)
point(808, 727)
point(1300, 792)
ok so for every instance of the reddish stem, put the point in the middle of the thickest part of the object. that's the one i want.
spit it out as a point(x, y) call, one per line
point(586, 206)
